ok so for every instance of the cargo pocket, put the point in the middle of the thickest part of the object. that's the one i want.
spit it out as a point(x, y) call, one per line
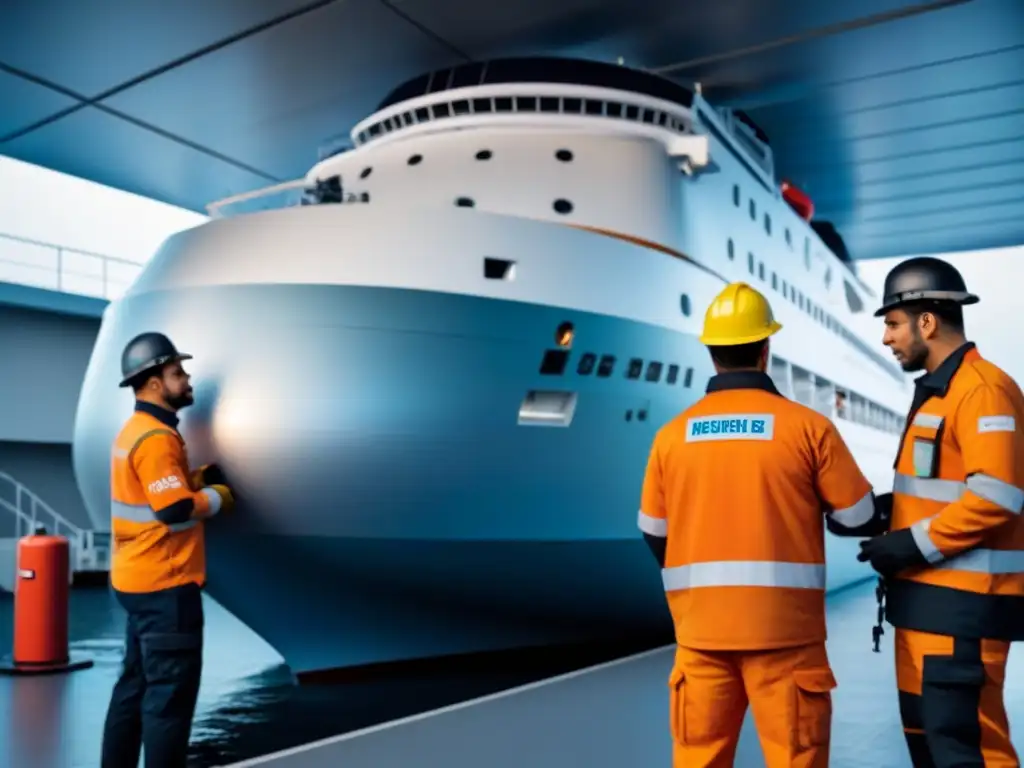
point(951, 690)
point(813, 706)
point(677, 705)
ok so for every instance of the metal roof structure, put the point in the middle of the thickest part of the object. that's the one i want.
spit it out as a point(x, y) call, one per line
point(904, 122)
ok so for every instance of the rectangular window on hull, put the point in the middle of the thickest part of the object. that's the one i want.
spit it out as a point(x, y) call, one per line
point(554, 362)
point(499, 269)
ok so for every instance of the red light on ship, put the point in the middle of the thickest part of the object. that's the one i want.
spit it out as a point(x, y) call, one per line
point(798, 201)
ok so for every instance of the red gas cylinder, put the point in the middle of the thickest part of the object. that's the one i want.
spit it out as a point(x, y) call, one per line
point(41, 600)
point(41, 607)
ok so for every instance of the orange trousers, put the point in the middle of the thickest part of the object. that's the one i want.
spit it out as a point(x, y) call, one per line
point(951, 701)
point(788, 689)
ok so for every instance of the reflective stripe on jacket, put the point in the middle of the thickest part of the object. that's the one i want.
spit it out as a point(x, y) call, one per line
point(959, 487)
point(156, 516)
point(739, 484)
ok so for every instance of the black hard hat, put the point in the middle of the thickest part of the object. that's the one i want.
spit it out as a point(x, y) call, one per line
point(923, 279)
point(146, 351)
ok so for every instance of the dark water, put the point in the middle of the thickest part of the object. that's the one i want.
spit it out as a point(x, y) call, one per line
point(248, 703)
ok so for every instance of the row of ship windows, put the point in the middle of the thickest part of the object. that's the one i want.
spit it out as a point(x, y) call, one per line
point(790, 292)
point(793, 381)
point(752, 208)
point(555, 361)
point(834, 401)
point(560, 206)
point(524, 104)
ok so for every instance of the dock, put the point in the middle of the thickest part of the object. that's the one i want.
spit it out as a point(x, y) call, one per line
point(616, 715)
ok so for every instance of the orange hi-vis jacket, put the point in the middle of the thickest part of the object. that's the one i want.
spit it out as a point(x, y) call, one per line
point(959, 487)
point(740, 484)
point(156, 515)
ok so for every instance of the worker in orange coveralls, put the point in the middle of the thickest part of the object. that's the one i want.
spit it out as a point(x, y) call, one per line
point(738, 491)
point(158, 564)
point(953, 563)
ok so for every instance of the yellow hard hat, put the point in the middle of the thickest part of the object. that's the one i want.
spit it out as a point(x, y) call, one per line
point(738, 315)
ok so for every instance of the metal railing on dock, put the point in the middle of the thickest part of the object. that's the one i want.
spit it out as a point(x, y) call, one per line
point(57, 268)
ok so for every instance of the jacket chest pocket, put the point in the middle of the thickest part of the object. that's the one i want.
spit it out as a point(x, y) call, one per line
point(923, 444)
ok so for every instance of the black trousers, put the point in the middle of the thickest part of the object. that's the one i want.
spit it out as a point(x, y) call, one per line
point(154, 700)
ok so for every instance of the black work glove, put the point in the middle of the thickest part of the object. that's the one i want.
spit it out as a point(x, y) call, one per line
point(891, 552)
point(214, 475)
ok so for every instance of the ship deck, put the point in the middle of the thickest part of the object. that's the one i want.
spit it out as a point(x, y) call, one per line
point(615, 715)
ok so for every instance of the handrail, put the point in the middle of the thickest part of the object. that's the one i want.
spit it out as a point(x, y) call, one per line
point(26, 506)
point(71, 270)
point(214, 209)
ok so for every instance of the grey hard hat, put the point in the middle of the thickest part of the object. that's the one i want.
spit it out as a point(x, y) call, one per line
point(147, 351)
point(924, 279)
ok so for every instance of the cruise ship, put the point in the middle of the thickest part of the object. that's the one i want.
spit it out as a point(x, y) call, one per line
point(433, 367)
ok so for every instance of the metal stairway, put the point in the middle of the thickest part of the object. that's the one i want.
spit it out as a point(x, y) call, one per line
point(89, 550)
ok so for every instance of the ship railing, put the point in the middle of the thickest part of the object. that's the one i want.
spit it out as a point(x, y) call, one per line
point(35, 263)
point(289, 194)
point(89, 550)
point(745, 136)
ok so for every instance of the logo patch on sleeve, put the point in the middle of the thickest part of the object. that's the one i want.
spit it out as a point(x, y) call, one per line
point(997, 424)
point(166, 484)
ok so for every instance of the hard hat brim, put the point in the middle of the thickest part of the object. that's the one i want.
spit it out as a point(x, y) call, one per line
point(153, 364)
point(957, 297)
point(735, 341)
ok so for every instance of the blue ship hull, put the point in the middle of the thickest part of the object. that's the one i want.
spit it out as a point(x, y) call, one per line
point(392, 508)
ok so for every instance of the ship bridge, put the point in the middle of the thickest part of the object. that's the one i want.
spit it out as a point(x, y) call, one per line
point(891, 128)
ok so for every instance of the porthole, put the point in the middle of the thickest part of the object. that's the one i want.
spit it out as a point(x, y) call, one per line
point(673, 374)
point(564, 155)
point(366, 172)
point(760, 270)
point(483, 154)
point(465, 202)
point(789, 237)
point(415, 160)
point(767, 224)
point(736, 195)
point(684, 304)
point(636, 367)
point(752, 207)
point(730, 249)
point(750, 262)
point(688, 378)
point(562, 206)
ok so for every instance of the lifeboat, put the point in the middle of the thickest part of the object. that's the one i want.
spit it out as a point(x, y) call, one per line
point(798, 200)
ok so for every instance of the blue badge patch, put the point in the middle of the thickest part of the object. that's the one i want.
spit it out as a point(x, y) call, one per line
point(731, 426)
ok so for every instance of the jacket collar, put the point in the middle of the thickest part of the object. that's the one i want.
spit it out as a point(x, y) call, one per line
point(741, 380)
point(160, 414)
point(937, 382)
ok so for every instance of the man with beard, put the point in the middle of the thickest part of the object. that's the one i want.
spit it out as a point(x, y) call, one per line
point(158, 564)
point(953, 561)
